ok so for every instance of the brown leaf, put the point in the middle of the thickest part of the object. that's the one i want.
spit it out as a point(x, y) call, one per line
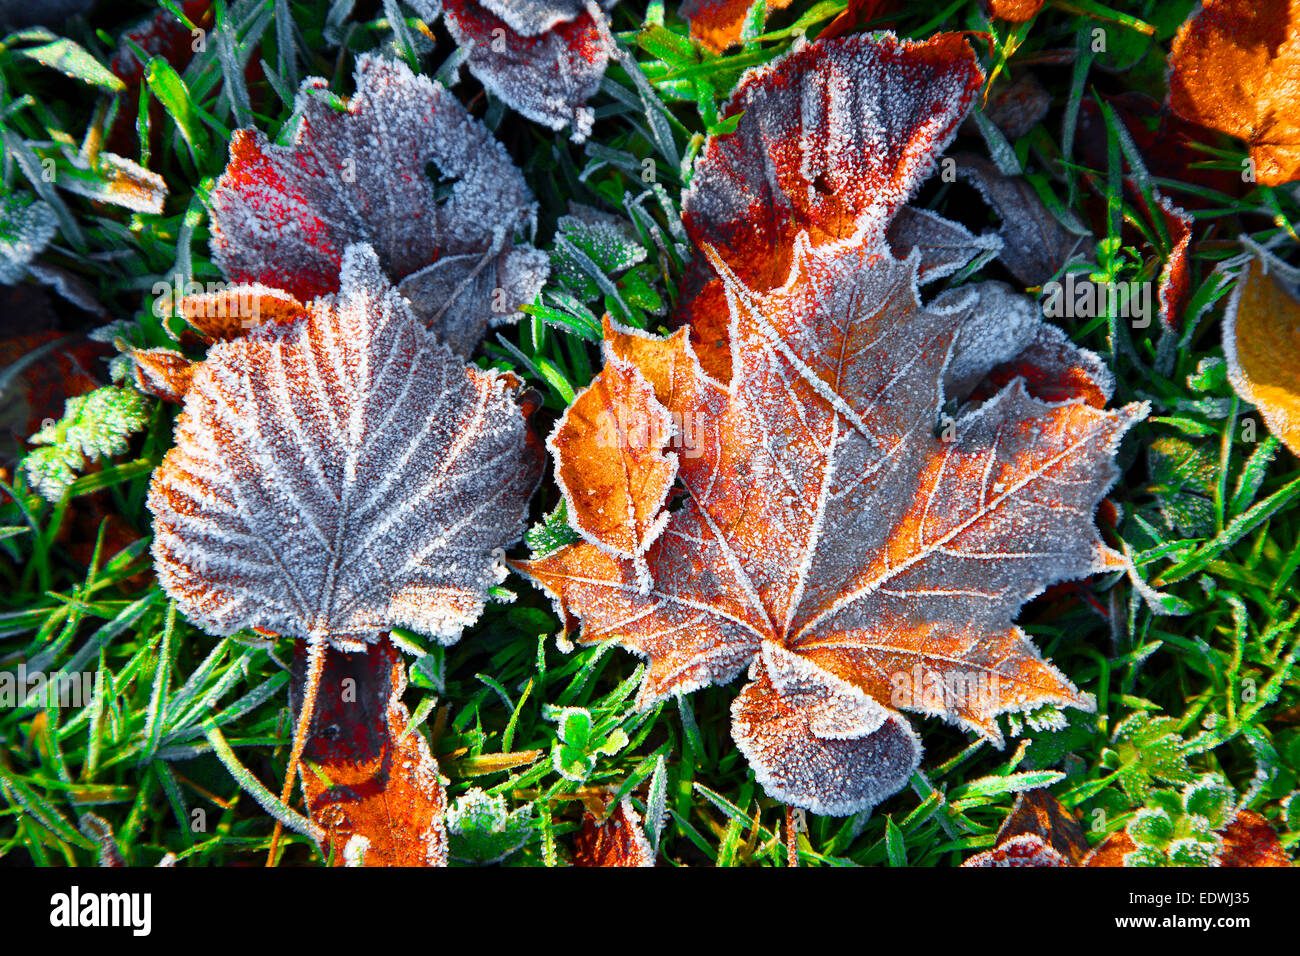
point(1038, 831)
point(615, 841)
point(611, 448)
point(369, 784)
point(1235, 67)
point(1019, 105)
point(1175, 274)
point(1025, 849)
point(1249, 840)
point(1261, 342)
point(163, 373)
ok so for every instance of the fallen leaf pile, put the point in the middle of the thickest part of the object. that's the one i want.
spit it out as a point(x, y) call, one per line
point(810, 516)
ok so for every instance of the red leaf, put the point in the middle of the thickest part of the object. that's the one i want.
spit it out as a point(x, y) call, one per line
point(615, 841)
point(371, 786)
point(283, 215)
point(835, 137)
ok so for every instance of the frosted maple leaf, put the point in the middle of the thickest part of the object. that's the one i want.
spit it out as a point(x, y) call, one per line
point(283, 215)
point(832, 532)
point(542, 58)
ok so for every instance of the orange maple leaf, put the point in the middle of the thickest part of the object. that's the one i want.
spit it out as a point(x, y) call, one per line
point(859, 562)
point(860, 553)
point(1235, 67)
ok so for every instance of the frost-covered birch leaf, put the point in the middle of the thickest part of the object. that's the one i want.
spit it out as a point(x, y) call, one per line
point(371, 786)
point(828, 517)
point(340, 475)
point(542, 58)
point(283, 215)
point(834, 139)
point(1261, 341)
point(618, 840)
point(1235, 66)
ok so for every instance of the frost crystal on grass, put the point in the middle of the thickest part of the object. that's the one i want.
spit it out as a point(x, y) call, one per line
point(283, 215)
point(341, 475)
point(96, 425)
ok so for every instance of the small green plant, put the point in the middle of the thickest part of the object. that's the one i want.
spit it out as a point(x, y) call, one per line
point(1178, 828)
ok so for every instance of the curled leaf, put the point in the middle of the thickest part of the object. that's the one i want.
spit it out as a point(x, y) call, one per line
point(163, 373)
point(230, 313)
point(1261, 342)
point(1035, 245)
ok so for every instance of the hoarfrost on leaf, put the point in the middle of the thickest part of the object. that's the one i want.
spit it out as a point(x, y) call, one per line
point(858, 559)
point(283, 215)
point(542, 59)
point(340, 475)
